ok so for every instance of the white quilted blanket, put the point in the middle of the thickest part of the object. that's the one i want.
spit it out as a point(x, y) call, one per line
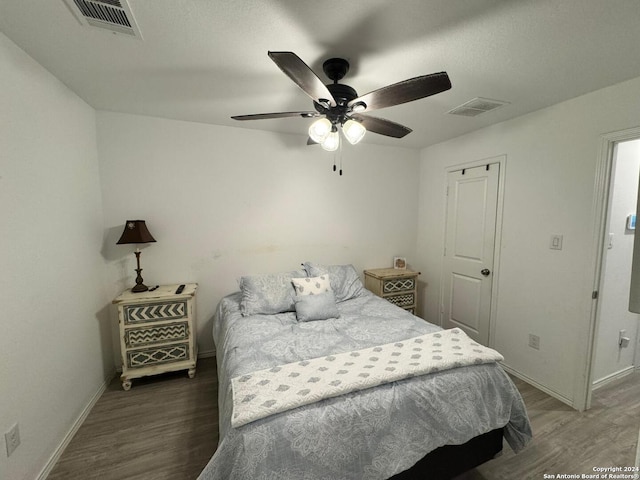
point(266, 392)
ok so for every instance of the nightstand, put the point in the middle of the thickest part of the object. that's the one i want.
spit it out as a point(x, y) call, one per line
point(399, 287)
point(157, 332)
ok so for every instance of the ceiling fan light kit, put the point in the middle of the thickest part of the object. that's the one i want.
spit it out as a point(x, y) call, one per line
point(332, 142)
point(339, 106)
point(325, 133)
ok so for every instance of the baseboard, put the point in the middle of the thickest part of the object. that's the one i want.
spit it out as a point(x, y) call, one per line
point(613, 377)
point(74, 428)
point(207, 354)
point(539, 386)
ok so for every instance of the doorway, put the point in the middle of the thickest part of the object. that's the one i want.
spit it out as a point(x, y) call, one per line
point(604, 188)
point(617, 333)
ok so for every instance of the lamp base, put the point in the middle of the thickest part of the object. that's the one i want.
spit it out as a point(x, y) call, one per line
point(140, 287)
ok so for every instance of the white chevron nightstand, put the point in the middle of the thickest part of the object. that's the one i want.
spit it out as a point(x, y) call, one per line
point(399, 287)
point(157, 331)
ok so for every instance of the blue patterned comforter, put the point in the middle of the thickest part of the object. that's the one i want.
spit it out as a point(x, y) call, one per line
point(371, 434)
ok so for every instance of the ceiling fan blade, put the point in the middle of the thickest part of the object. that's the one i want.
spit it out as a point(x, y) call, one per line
point(266, 116)
point(303, 76)
point(311, 141)
point(382, 126)
point(405, 91)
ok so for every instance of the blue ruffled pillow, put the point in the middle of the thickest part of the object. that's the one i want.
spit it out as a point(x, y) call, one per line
point(320, 306)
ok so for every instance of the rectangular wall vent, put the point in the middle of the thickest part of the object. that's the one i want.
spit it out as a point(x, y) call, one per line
point(112, 15)
point(476, 106)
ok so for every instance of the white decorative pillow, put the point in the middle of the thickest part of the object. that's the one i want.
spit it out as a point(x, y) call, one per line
point(345, 281)
point(312, 285)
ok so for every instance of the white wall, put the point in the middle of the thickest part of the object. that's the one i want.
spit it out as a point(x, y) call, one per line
point(55, 343)
point(613, 308)
point(549, 189)
point(225, 202)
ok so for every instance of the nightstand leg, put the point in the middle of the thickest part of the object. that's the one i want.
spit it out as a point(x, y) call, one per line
point(192, 372)
point(126, 385)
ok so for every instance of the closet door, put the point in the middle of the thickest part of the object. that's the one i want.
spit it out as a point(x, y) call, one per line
point(472, 199)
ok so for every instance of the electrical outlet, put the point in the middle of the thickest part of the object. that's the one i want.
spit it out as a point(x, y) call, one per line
point(556, 242)
point(534, 341)
point(12, 439)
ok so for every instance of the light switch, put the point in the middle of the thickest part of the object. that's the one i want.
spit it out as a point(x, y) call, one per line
point(556, 242)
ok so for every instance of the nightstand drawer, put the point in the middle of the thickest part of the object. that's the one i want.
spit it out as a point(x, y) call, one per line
point(141, 336)
point(156, 356)
point(398, 285)
point(153, 312)
point(404, 300)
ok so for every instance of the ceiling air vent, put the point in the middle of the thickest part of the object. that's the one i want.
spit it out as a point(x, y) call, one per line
point(112, 15)
point(477, 106)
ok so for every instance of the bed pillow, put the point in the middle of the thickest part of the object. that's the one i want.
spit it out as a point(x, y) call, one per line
point(320, 306)
point(268, 294)
point(312, 285)
point(345, 281)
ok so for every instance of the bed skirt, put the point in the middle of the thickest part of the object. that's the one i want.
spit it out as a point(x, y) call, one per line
point(450, 461)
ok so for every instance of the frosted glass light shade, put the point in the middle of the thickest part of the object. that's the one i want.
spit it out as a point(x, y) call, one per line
point(320, 130)
point(332, 142)
point(353, 131)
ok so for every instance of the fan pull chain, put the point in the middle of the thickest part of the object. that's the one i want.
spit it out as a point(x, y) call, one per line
point(335, 154)
point(341, 157)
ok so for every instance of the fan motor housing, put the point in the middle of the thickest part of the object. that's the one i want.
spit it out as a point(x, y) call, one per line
point(342, 93)
point(336, 69)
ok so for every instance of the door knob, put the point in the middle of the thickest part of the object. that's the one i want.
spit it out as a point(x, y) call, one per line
point(485, 272)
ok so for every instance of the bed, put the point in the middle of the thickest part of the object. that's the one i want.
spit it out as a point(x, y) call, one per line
point(437, 424)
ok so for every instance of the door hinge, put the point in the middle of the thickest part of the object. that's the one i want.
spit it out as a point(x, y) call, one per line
point(594, 295)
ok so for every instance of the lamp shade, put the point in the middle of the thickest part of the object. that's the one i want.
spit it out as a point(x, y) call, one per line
point(320, 130)
point(332, 142)
point(353, 131)
point(135, 231)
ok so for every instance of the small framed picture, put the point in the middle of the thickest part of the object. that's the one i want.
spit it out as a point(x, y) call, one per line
point(400, 263)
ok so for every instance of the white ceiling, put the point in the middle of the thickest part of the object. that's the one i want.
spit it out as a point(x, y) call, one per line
point(206, 60)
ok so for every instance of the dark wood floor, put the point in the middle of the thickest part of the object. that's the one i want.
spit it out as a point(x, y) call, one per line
point(166, 427)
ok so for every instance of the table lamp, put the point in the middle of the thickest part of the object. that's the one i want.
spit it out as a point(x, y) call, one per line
point(136, 231)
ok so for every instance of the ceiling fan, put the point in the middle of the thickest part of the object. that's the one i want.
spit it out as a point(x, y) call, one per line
point(339, 106)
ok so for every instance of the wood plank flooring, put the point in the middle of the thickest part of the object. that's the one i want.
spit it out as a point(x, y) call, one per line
point(166, 427)
point(570, 442)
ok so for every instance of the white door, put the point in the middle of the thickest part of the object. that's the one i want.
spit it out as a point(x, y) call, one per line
point(472, 199)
